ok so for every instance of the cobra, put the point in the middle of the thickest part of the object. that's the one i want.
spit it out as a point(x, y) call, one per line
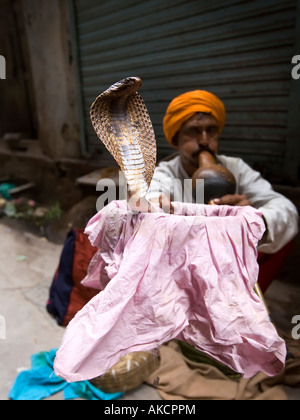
point(122, 122)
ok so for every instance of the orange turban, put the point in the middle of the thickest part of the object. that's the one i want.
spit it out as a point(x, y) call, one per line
point(186, 105)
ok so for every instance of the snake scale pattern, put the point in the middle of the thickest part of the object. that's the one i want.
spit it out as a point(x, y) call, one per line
point(121, 121)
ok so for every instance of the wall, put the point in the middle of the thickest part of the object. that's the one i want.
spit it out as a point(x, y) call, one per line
point(16, 96)
point(53, 75)
point(239, 50)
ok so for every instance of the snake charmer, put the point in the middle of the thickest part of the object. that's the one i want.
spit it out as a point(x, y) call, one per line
point(193, 124)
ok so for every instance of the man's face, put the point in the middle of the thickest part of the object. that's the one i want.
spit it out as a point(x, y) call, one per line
point(201, 132)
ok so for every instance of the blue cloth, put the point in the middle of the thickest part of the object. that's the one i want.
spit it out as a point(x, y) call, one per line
point(41, 382)
point(5, 190)
point(63, 284)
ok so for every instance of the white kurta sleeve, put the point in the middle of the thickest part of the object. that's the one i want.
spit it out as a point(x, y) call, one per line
point(166, 180)
point(280, 213)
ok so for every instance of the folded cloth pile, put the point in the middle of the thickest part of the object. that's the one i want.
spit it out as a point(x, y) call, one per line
point(202, 381)
point(188, 276)
point(40, 382)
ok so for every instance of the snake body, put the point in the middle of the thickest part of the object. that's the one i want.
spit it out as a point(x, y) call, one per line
point(121, 121)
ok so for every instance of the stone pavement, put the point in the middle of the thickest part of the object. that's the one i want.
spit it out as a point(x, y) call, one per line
point(28, 263)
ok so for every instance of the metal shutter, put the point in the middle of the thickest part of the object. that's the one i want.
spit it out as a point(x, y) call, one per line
point(239, 50)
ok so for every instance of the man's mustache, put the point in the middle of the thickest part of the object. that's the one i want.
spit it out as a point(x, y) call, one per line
point(203, 149)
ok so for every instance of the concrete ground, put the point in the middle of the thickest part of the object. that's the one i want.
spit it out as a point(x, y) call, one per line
point(28, 263)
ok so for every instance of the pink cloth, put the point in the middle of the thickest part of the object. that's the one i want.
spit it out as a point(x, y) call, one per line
point(188, 276)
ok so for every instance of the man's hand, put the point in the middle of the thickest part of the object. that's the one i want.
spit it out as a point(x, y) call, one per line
point(232, 200)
